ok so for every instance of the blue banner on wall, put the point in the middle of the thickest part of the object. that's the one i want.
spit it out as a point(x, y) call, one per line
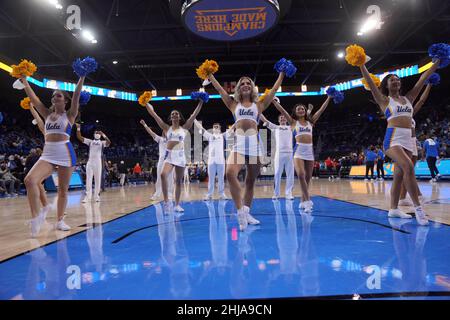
point(230, 20)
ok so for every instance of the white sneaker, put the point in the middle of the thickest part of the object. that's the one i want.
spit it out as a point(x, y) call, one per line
point(420, 216)
point(250, 219)
point(301, 205)
point(155, 196)
point(290, 197)
point(36, 224)
point(242, 219)
point(366, 180)
point(178, 208)
point(223, 196)
point(405, 203)
point(61, 225)
point(329, 178)
point(274, 198)
point(44, 211)
point(168, 207)
point(207, 197)
point(397, 213)
point(86, 199)
point(97, 199)
point(308, 206)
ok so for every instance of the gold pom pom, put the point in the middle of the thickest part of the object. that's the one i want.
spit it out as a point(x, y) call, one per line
point(145, 98)
point(25, 68)
point(25, 103)
point(264, 95)
point(356, 56)
point(208, 67)
point(375, 79)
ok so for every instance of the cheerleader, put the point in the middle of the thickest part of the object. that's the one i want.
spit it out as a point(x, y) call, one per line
point(162, 144)
point(403, 201)
point(58, 151)
point(398, 144)
point(175, 158)
point(46, 206)
point(302, 123)
point(283, 160)
point(216, 159)
point(246, 151)
point(94, 164)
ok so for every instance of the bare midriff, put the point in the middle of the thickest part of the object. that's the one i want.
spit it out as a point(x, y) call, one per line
point(246, 127)
point(56, 137)
point(174, 145)
point(304, 139)
point(400, 122)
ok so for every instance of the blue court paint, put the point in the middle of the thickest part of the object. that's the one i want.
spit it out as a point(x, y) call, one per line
point(341, 250)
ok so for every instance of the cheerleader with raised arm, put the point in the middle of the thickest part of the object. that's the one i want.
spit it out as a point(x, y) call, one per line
point(398, 145)
point(175, 158)
point(302, 121)
point(246, 109)
point(58, 151)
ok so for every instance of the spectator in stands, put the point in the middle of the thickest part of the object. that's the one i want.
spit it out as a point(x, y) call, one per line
point(329, 166)
point(370, 156)
point(137, 170)
point(7, 178)
point(431, 152)
point(122, 168)
point(380, 163)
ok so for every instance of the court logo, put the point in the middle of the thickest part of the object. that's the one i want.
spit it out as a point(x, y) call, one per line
point(374, 281)
point(74, 280)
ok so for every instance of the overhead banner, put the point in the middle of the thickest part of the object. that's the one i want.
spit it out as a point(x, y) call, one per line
point(230, 20)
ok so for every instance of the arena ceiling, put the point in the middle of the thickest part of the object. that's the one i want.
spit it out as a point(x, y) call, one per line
point(155, 51)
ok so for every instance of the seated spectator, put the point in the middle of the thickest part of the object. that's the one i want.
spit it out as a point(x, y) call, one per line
point(137, 170)
point(7, 178)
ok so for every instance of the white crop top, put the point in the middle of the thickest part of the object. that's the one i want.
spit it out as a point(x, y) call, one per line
point(301, 130)
point(395, 109)
point(177, 135)
point(251, 113)
point(61, 125)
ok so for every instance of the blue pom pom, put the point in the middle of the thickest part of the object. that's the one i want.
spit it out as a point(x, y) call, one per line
point(83, 67)
point(204, 96)
point(331, 91)
point(286, 66)
point(1, 117)
point(434, 79)
point(337, 95)
point(440, 51)
point(444, 63)
point(279, 66)
point(290, 69)
point(84, 98)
